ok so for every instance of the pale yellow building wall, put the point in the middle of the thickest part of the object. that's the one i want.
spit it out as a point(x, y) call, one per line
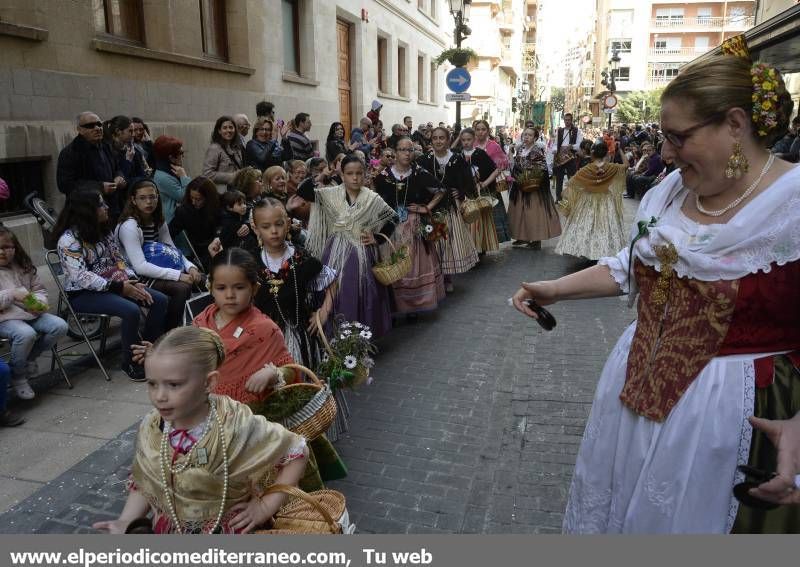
point(46, 82)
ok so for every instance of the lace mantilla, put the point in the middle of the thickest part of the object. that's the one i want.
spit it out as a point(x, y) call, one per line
point(764, 232)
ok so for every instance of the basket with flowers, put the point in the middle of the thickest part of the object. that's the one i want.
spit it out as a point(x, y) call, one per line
point(433, 227)
point(348, 356)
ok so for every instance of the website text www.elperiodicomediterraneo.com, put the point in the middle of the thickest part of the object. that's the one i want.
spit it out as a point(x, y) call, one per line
point(213, 556)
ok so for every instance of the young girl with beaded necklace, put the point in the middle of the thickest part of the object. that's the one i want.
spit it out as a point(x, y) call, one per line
point(292, 282)
point(202, 461)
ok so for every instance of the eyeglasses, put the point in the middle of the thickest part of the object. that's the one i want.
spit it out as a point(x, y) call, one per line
point(147, 198)
point(677, 139)
point(91, 125)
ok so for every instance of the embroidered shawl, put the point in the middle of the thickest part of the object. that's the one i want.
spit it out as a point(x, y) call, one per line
point(255, 447)
point(334, 219)
point(251, 341)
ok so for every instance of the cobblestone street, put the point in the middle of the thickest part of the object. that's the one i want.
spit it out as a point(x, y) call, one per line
point(471, 426)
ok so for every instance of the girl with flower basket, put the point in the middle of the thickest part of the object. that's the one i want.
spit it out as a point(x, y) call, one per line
point(457, 250)
point(293, 282)
point(413, 192)
point(342, 228)
point(484, 172)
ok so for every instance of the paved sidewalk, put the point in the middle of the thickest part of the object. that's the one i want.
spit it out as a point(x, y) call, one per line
point(471, 426)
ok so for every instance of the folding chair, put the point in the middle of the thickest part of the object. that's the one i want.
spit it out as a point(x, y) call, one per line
point(56, 359)
point(64, 306)
point(195, 305)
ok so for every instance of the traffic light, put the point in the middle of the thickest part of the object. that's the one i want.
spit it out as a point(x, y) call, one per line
point(514, 104)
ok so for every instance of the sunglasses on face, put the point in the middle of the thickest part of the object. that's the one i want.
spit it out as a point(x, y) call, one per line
point(91, 125)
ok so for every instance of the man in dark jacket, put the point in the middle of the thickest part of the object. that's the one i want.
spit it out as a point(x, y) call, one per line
point(87, 162)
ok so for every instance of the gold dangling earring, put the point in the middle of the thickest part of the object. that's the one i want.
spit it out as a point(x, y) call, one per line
point(737, 163)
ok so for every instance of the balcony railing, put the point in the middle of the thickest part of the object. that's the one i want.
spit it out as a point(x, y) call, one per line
point(737, 22)
point(654, 81)
point(681, 51)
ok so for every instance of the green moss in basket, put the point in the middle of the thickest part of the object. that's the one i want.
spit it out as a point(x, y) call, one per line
point(32, 303)
point(396, 256)
point(283, 403)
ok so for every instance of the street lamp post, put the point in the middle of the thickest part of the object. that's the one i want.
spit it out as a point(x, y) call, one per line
point(609, 75)
point(460, 11)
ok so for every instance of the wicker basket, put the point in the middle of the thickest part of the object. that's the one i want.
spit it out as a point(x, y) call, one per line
point(387, 273)
point(317, 512)
point(530, 182)
point(470, 211)
point(502, 183)
point(318, 414)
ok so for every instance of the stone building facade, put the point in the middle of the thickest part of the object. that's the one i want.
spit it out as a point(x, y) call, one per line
point(179, 64)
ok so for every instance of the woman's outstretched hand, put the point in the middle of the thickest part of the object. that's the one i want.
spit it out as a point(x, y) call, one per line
point(545, 293)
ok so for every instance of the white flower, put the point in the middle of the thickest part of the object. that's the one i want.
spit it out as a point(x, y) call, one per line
point(325, 357)
point(369, 380)
point(350, 362)
point(368, 362)
point(366, 334)
point(358, 325)
point(428, 228)
point(346, 333)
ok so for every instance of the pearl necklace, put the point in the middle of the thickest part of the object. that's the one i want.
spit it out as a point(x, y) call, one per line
point(168, 430)
point(742, 197)
point(163, 458)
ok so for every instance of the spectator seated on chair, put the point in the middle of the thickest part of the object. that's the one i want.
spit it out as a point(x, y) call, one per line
point(24, 319)
point(97, 278)
point(150, 251)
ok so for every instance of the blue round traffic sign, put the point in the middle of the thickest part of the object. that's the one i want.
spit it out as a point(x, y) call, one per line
point(458, 80)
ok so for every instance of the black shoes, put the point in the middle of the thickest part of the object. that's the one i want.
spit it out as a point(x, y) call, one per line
point(10, 419)
point(134, 372)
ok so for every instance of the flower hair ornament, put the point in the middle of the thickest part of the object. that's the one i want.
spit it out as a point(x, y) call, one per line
point(767, 86)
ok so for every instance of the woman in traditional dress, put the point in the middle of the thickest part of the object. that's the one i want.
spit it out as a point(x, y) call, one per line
point(531, 211)
point(592, 205)
point(342, 227)
point(483, 141)
point(484, 172)
point(457, 252)
point(413, 192)
point(715, 258)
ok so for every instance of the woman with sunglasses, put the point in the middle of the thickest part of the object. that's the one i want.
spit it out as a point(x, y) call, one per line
point(715, 260)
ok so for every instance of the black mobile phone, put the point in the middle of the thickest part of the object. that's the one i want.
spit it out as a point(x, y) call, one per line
point(546, 319)
point(742, 490)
